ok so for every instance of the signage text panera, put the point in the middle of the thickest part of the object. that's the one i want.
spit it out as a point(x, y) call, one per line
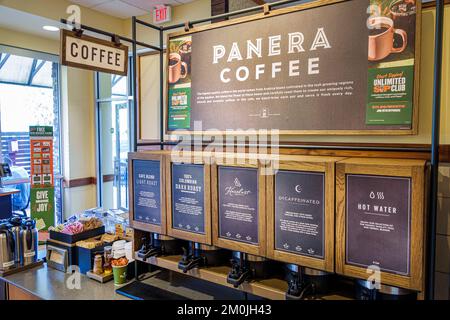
point(93, 54)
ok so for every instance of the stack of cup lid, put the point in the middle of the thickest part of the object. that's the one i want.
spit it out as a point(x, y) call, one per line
point(118, 249)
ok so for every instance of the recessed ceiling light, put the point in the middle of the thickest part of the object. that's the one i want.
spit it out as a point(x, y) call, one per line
point(51, 28)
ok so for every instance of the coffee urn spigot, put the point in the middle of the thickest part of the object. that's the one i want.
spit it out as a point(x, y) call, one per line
point(147, 250)
point(239, 272)
point(297, 287)
point(190, 260)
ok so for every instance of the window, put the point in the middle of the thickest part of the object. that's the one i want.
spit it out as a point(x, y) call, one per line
point(113, 139)
point(29, 95)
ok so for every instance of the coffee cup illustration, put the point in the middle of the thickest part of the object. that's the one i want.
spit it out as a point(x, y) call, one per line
point(177, 68)
point(185, 53)
point(381, 38)
point(403, 13)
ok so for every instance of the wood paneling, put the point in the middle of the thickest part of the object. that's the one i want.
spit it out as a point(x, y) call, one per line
point(81, 182)
point(432, 4)
point(345, 150)
point(325, 165)
point(156, 156)
point(16, 293)
point(206, 238)
point(415, 169)
point(238, 160)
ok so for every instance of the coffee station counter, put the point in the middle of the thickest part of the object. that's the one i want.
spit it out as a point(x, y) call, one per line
point(44, 283)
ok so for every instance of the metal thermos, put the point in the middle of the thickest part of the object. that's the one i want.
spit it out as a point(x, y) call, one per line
point(28, 242)
point(16, 226)
point(7, 247)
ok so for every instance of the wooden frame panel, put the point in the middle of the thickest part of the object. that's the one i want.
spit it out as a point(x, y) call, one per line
point(186, 235)
point(258, 250)
point(155, 156)
point(314, 4)
point(323, 165)
point(414, 169)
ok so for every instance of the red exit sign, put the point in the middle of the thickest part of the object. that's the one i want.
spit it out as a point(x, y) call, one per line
point(162, 14)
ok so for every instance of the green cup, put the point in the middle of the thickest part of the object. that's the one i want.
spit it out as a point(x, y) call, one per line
point(120, 274)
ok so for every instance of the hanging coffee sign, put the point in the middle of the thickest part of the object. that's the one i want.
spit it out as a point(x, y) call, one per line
point(86, 52)
point(335, 66)
point(147, 194)
point(380, 220)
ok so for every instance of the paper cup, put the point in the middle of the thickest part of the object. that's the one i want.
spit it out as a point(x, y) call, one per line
point(120, 274)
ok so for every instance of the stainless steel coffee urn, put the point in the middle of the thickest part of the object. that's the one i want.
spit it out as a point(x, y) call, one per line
point(16, 227)
point(7, 248)
point(29, 242)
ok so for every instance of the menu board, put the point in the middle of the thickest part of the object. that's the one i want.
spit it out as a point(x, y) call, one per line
point(300, 212)
point(238, 204)
point(147, 191)
point(188, 195)
point(334, 66)
point(378, 228)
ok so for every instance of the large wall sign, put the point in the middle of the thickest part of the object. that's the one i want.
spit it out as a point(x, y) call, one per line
point(300, 213)
point(380, 220)
point(238, 204)
point(343, 67)
point(93, 54)
point(147, 191)
point(188, 195)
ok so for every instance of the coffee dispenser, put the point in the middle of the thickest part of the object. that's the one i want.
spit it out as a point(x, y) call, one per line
point(246, 266)
point(7, 248)
point(148, 206)
point(15, 227)
point(239, 215)
point(189, 210)
point(28, 242)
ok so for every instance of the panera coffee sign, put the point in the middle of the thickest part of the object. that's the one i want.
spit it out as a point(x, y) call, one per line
point(336, 66)
point(90, 53)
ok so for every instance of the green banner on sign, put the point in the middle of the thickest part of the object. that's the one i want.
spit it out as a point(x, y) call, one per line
point(43, 205)
point(179, 108)
point(41, 131)
point(390, 96)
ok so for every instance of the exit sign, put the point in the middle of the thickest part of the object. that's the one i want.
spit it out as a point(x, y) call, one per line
point(162, 14)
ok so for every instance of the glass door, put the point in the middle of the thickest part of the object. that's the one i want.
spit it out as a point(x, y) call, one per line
point(29, 95)
point(113, 140)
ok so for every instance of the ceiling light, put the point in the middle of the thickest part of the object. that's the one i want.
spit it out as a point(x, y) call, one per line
point(51, 28)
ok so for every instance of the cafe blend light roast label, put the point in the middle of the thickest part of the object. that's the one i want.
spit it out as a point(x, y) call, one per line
point(147, 191)
point(238, 204)
point(188, 194)
point(378, 222)
point(299, 213)
point(343, 66)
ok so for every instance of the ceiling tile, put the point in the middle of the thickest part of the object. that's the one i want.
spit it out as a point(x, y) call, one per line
point(146, 5)
point(184, 1)
point(89, 3)
point(120, 9)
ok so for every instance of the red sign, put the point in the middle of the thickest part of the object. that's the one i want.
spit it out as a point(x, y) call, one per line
point(162, 14)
